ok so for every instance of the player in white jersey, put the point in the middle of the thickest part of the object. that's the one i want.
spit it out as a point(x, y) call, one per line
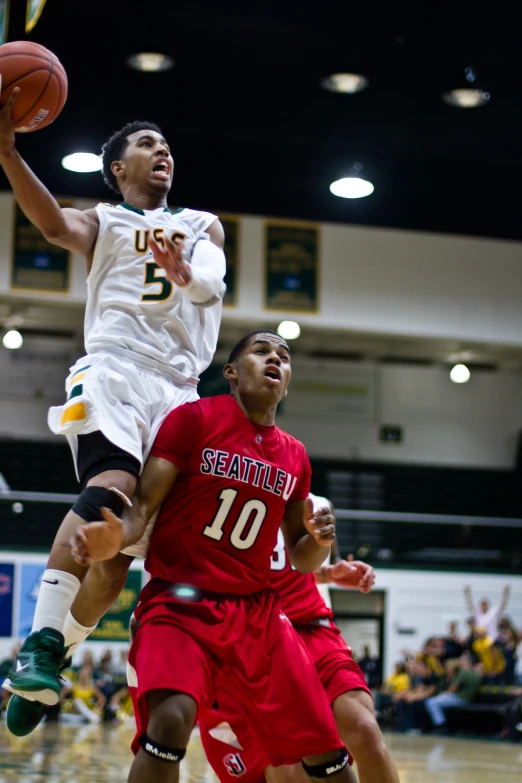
point(155, 288)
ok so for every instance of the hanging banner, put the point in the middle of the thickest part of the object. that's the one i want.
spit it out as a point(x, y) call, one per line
point(34, 11)
point(29, 588)
point(231, 228)
point(291, 267)
point(114, 627)
point(6, 599)
point(37, 265)
point(4, 20)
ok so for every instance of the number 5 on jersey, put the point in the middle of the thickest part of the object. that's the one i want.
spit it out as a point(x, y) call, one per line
point(151, 278)
point(255, 507)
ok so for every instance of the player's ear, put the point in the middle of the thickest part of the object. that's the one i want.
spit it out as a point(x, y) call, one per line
point(230, 372)
point(117, 167)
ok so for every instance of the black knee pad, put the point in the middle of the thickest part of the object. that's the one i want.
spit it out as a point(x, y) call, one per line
point(329, 768)
point(91, 500)
point(161, 752)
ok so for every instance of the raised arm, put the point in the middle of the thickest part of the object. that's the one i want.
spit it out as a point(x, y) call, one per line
point(103, 540)
point(72, 229)
point(467, 598)
point(307, 536)
point(505, 597)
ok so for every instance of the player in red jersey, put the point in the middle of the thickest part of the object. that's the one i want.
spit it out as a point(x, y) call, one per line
point(229, 745)
point(224, 476)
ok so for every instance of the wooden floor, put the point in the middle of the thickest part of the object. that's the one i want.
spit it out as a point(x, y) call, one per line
point(94, 754)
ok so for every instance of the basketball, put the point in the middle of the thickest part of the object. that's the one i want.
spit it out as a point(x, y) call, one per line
point(42, 81)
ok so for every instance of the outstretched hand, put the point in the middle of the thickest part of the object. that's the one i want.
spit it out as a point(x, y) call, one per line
point(7, 128)
point(351, 573)
point(98, 540)
point(170, 259)
point(320, 524)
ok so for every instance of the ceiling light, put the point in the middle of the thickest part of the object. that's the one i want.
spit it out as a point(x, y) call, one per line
point(289, 330)
point(150, 62)
point(352, 187)
point(12, 340)
point(466, 98)
point(82, 162)
point(348, 83)
point(460, 374)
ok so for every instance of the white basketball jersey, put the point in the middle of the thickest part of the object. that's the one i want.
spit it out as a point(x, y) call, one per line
point(132, 307)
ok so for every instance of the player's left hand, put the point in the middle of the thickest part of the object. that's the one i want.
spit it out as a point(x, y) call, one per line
point(170, 259)
point(320, 524)
point(98, 540)
point(351, 573)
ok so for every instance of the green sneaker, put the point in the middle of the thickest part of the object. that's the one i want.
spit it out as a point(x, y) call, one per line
point(35, 675)
point(23, 716)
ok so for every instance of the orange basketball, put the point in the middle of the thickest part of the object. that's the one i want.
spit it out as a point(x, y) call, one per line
point(42, 81)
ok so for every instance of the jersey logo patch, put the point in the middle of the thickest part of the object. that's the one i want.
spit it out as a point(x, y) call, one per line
point(259, 438)
point(234, 765)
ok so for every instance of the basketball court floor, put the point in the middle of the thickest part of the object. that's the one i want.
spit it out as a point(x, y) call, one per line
point(94, 754)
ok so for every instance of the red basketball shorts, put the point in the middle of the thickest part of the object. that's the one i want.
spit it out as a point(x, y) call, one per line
point(241, 645)
point(231, 747)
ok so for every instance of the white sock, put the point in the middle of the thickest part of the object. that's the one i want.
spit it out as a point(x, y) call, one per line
point(74, 633)
point(57, 592)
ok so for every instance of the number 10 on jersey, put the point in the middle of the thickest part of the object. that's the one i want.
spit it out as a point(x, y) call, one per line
point(252, 507)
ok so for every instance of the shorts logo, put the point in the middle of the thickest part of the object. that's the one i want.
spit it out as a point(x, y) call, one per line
point(234, 765)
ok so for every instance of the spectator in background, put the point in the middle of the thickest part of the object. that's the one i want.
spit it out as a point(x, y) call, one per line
point(518, 660)
point(88, 700)
point(371, 667)
point(463, 685)
point(507, 640)
point(398, 682)
point(411, 715)
point(453, 646)
point(471, 638)
point(487, 616)
point(490, 656)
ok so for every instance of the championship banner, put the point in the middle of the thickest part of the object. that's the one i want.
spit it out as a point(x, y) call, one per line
point(6, 599)
point(29, 588)
point(291, 267)
point(231, 228)
point(37, 265)
point(114, 627)
point(34, 11)
point(4, 20)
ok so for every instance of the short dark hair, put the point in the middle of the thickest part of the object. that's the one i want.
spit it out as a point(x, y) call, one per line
point(238, 349)
point(114, 148)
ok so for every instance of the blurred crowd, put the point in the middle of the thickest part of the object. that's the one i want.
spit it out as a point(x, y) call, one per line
point(93, 691)
point(480, 665)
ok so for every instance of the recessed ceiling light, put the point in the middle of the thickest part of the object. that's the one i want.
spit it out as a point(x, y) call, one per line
point(12, 340)
point(82, 162)
point(352, 187)
point(460, 374)
point(345, 82)
point(150, 62)
point(289, 330)
point(466, 98)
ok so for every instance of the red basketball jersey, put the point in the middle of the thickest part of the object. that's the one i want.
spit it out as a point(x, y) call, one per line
point(218, 526)
point(301, 600)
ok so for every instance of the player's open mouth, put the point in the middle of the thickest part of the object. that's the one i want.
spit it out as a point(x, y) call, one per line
point(273, 374)
point(161, 170)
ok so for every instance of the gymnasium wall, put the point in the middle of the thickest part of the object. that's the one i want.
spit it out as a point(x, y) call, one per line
point(417, 604)
point(335, 408)
point(372, 279)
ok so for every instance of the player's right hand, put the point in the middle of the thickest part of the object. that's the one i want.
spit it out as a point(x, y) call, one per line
point(96, 541)
point(7, 133)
